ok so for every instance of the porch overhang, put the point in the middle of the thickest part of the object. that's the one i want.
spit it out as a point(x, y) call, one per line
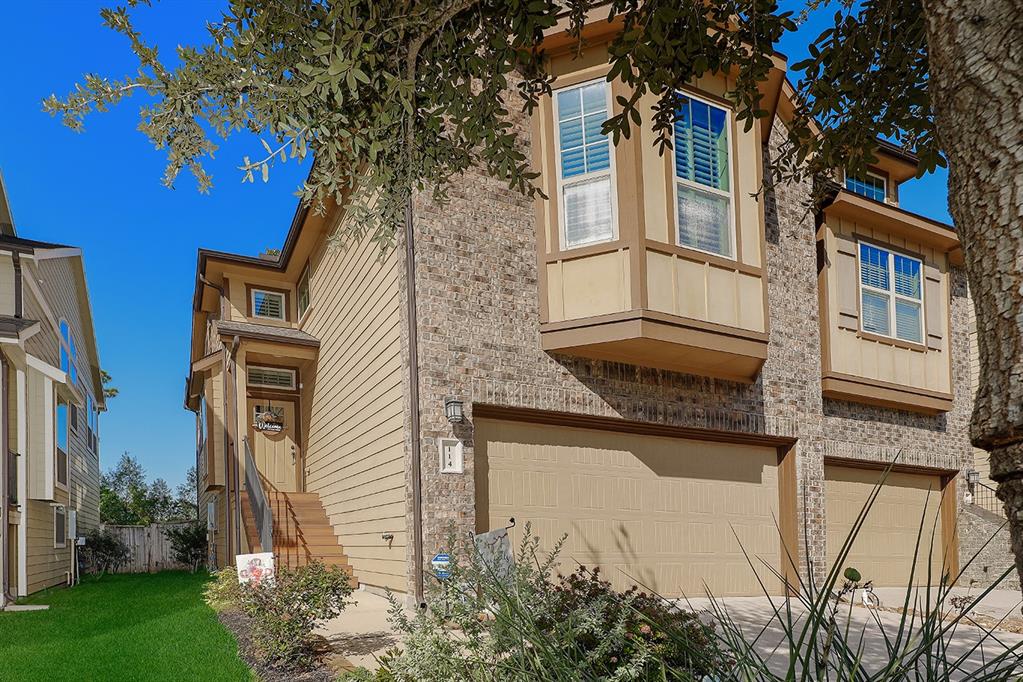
point(229, 329)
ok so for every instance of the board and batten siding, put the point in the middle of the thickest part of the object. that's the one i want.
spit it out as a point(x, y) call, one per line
point(6, 284)
point(354, 448)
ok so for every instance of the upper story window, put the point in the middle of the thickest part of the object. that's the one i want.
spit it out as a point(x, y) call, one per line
point(585, 178)
point(272, 377)
point(303, 293)
point(703, 177)
point(869, 185)
point(68, 352)
point(92, 414)
point(268, 304)
point(891, 294)
point(59, 527)
point(62, 442)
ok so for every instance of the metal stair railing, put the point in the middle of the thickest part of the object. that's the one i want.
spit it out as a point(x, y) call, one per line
point(258, 501)
point(985, 498)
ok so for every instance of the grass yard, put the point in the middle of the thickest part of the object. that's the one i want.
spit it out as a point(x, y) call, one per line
point(121, 627)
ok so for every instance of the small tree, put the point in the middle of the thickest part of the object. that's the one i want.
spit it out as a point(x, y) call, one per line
point(188, 543)
point(104, 551)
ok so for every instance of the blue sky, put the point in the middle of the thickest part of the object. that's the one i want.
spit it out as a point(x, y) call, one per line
point(101, 190)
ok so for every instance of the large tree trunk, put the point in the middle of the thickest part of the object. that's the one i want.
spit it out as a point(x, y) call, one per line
point(976, 69)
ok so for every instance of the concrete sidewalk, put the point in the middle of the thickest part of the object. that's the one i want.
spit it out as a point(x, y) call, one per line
point(361, 633)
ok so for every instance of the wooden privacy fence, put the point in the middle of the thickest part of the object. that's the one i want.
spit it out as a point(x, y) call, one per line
point(149, 547)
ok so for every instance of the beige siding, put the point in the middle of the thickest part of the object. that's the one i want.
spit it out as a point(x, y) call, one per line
point(47, 566)
point(878, 360)
point(238, 302)
point(354, 448)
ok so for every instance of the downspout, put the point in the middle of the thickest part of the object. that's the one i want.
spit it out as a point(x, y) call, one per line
point(5, 501)
point(237, 457)
point(229, 539)
point(413, 359)
point(18, 303)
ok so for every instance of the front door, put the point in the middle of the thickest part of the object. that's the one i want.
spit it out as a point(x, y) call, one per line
point(275, 448)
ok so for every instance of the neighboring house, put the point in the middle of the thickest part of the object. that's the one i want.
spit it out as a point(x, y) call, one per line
point(654, 361)
point(51, 396)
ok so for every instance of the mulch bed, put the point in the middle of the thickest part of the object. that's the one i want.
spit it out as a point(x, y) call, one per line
point(326, 669)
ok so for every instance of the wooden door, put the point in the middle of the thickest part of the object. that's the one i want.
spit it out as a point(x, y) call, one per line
point(276, 451)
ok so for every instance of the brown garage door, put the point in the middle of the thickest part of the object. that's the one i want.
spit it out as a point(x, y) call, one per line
point(883, 549)
point(658, 512)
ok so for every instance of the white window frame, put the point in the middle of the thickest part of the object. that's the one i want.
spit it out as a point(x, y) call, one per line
point(59, 508)
point(306, 276)
point(871, 174)
point(730, 128)
point(277, 387)
point(255, 310)
point(890, 293)
point(585, 177)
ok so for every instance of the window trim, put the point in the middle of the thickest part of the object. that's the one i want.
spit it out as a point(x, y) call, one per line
point(869, 173)
point(732, 182)
point(892, 295)
point(275, 387)
point(59, 508)
point(57, 450)
point(283, 293)
point(306, 275)
point(560, 183)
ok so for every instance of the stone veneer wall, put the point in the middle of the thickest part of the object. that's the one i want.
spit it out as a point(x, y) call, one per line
point(479, 340)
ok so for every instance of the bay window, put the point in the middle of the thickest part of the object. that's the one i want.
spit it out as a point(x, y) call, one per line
point(585, 156)
point(891, 294)
point(703, 188)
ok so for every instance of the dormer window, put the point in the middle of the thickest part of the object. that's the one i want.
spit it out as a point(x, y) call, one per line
point(703, 191)
point(585, 159)
point(891, 294)
point(267, 304)
point(870, 185)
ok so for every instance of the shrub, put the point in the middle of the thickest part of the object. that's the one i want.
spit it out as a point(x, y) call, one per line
point(527, 623)
point(285, 612)
point(188, 543)
point(224, 592)
point(104, 551)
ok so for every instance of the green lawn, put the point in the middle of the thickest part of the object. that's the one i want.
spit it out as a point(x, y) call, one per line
point(121, 627)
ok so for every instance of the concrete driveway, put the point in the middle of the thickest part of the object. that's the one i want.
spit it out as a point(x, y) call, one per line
point(870, 631)
point(362, 632)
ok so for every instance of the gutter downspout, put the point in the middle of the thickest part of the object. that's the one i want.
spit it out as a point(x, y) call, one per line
point(232, 365)
point(5, 589)
point(227, 426)
point(416, 449)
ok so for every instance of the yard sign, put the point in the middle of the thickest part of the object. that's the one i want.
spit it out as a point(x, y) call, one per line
point(255, 568)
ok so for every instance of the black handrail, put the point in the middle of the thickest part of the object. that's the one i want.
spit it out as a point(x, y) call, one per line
point(984, 497)
point(258, 501)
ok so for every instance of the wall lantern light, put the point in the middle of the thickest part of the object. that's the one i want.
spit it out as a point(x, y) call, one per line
point(972, 478)
point(453, 410)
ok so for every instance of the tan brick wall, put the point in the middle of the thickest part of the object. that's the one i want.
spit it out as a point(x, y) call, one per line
point(479, 340)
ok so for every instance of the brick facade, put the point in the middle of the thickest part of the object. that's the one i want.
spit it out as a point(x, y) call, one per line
point(479, 340)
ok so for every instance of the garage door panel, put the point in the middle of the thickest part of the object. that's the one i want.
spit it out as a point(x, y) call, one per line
point(660, 512)
point(883, 550)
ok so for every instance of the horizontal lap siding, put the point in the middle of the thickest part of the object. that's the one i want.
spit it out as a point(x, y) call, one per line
point(355, 443)
point(47, 565)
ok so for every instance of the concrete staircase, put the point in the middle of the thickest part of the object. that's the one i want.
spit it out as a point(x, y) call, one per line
point(301, 531)
point(978, 525)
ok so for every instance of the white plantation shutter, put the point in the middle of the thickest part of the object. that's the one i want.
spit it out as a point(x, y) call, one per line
point(584, 158)
point(702, 184)
point(891, 294)
point(268, 304)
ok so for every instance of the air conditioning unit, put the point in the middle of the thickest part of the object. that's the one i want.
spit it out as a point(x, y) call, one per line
point(72, 524)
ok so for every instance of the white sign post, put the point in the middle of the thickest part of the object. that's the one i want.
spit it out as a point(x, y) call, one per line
point(254, 569)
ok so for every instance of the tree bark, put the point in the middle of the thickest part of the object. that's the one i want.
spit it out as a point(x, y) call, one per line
point(975, 50)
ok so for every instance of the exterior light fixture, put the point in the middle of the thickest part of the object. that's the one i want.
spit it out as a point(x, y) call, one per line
point(972, 478)
point(453, 410)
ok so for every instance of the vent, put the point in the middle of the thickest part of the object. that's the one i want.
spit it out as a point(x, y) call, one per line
point(271, 377)
point(268, 304)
